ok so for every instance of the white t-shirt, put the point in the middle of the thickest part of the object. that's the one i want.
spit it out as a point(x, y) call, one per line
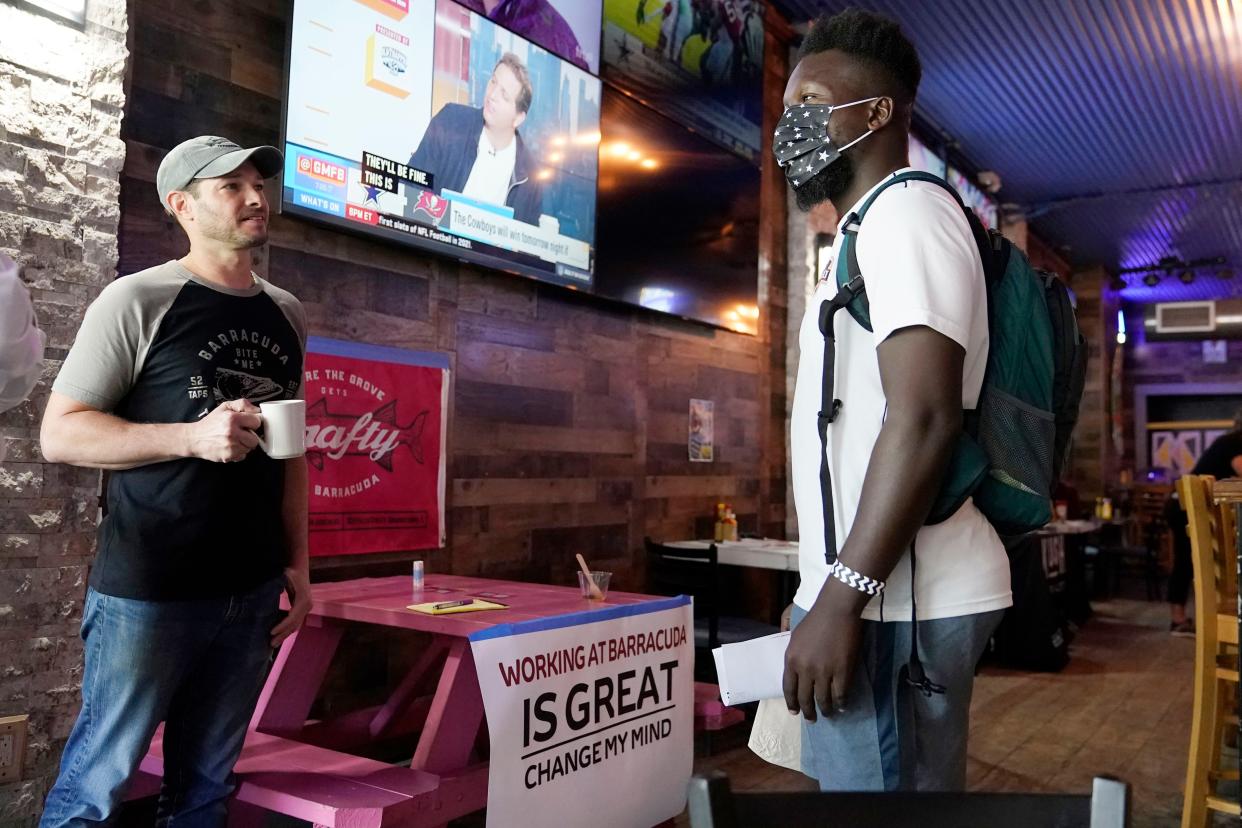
point(492, 172)
point(922, 268)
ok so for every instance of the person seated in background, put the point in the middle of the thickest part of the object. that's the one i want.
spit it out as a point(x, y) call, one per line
point(478, 152)
point(21, 341)
point(1223, 458)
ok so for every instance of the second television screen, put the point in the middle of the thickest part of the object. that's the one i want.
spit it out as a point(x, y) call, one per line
point(424, 122)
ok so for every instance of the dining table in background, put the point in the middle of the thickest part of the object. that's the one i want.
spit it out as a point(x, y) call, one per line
point(780, 556)
point(758, 553)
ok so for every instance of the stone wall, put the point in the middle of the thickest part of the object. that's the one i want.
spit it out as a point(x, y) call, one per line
point(61, 100)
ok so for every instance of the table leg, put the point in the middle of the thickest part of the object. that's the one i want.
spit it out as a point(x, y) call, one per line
point(407, 692)
point(455, 716)
point(789, 588)
point(296, 677)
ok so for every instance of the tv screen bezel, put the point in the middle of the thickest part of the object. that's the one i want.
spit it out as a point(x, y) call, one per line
point(394, 237)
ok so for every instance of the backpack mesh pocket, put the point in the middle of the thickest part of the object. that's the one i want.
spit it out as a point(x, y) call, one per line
point(1018, 438)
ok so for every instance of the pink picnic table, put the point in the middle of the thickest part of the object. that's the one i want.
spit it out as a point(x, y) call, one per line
point(312, 770)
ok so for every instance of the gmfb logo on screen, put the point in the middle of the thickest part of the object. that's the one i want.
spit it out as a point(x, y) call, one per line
point(323, 170)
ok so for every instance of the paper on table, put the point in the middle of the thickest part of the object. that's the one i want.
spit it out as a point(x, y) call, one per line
point(474, 606)
point(751, 670)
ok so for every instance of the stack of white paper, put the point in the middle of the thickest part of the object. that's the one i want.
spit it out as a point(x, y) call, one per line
point(751, 670)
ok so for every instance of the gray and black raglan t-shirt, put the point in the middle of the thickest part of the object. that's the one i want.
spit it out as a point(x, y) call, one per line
point(164, 346)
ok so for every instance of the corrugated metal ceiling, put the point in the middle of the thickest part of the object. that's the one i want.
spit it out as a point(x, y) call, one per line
point(1115, 124)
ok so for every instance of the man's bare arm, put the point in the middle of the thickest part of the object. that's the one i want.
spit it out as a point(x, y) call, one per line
point(79, 435)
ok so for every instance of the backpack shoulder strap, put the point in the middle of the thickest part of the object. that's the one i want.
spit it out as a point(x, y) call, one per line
point(849, 273)
point(847, 268)
point(830, 406)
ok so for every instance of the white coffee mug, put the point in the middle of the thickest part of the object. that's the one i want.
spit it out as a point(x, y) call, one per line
point(284, 428)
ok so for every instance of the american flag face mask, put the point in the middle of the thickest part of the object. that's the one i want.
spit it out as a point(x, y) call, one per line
point(801, 143)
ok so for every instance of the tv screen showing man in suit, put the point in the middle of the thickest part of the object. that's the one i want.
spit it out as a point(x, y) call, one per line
point(428, 123)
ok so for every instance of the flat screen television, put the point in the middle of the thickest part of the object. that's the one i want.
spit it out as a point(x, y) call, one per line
point(698, 61)
point(429, 124)
point(678, 227)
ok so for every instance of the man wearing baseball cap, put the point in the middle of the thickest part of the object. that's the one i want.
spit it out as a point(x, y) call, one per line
point(202, 533)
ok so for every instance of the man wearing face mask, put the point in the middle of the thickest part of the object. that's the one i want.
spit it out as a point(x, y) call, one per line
point(876, 717)
point(21, 341)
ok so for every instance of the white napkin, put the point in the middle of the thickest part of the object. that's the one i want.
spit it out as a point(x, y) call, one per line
point(776, 735)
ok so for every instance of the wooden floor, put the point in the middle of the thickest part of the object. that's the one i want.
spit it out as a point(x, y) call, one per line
point(1121, 708)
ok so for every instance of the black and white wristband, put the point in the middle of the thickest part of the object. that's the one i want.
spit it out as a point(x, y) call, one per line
point(855, 580)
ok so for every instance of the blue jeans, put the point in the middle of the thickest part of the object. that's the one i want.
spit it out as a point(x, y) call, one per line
point(891, 737)
point(196, 665)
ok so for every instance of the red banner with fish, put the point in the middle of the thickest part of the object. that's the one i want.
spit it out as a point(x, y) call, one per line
point(375, 437)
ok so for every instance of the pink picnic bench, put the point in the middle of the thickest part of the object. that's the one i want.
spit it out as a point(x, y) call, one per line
point(710, 713)
point(328, 787)
point(312, 770)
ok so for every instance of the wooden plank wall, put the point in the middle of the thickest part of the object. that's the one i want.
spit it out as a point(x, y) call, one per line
point(568, 416)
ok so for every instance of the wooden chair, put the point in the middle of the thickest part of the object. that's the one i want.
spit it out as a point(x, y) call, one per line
point(1216, 633)
point(1225, 536)
point(1224, 495)
point(714, 805)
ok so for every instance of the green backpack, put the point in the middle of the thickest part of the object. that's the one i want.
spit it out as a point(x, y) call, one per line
point(1013, 445)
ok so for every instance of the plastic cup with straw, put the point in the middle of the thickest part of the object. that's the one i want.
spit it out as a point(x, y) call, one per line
point(588, 580)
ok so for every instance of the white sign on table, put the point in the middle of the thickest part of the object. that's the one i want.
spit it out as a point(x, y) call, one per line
point(591, 716)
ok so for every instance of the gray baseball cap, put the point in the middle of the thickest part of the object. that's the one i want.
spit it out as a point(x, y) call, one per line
point(210, 156)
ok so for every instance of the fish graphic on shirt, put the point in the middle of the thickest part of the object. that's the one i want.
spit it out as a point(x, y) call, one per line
point(237, 385)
